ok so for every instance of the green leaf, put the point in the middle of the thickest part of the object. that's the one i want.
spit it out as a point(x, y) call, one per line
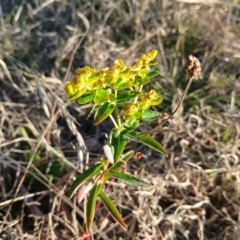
point(127, 178)
point(86, 175)
point(112, 209)
point(118, 141)
point(125, 158)
point(138, 115)
point(126, 97)
point(150, 115)
point(85, 98)
point(142, 81)
point(147, 140)
point(122, 84)
point(91, 205)
point(103, 112)
point(101, 96)
point(153, 74)
point(130, 124)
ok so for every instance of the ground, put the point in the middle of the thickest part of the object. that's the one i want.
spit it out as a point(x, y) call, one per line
point(195, 190)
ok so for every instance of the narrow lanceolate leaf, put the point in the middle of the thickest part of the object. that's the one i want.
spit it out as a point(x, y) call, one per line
point(85, 176)
point(127, 156)
point(124, 159)
point(103, 112)
point(118, 141)
point(112, 209)
point(91, 205)
point(147, 140)
point(127, 178)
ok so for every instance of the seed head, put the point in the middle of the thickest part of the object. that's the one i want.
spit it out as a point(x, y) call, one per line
point(193, 68)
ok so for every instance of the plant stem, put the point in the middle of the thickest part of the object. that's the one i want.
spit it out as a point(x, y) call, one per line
point(117, 113)
point(175, 110)
point(113, 121)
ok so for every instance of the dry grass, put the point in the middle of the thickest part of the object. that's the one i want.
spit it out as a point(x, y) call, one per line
point(195, 192)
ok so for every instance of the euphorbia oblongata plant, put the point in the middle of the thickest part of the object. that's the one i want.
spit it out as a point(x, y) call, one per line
point(117, 93)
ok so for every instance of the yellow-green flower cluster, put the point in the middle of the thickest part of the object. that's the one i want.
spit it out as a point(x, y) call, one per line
point(130, 111)
point(81, 82)
point(149, 99)
point(90, 79)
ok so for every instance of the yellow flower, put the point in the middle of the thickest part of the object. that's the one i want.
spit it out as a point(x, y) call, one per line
point(149, 56)
point(100, 81)
point(111, 75)
point(137, 66)
point(77, 83)
point(150, 99)
point(156, 101)
point(119, 64)
point(127, 75)
point(119, 76)
point(70, 88)
point(130, 111)
point(154, 98)
point(143, 72)
point(152, 94)
point(87, 71)
point(143, 105)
